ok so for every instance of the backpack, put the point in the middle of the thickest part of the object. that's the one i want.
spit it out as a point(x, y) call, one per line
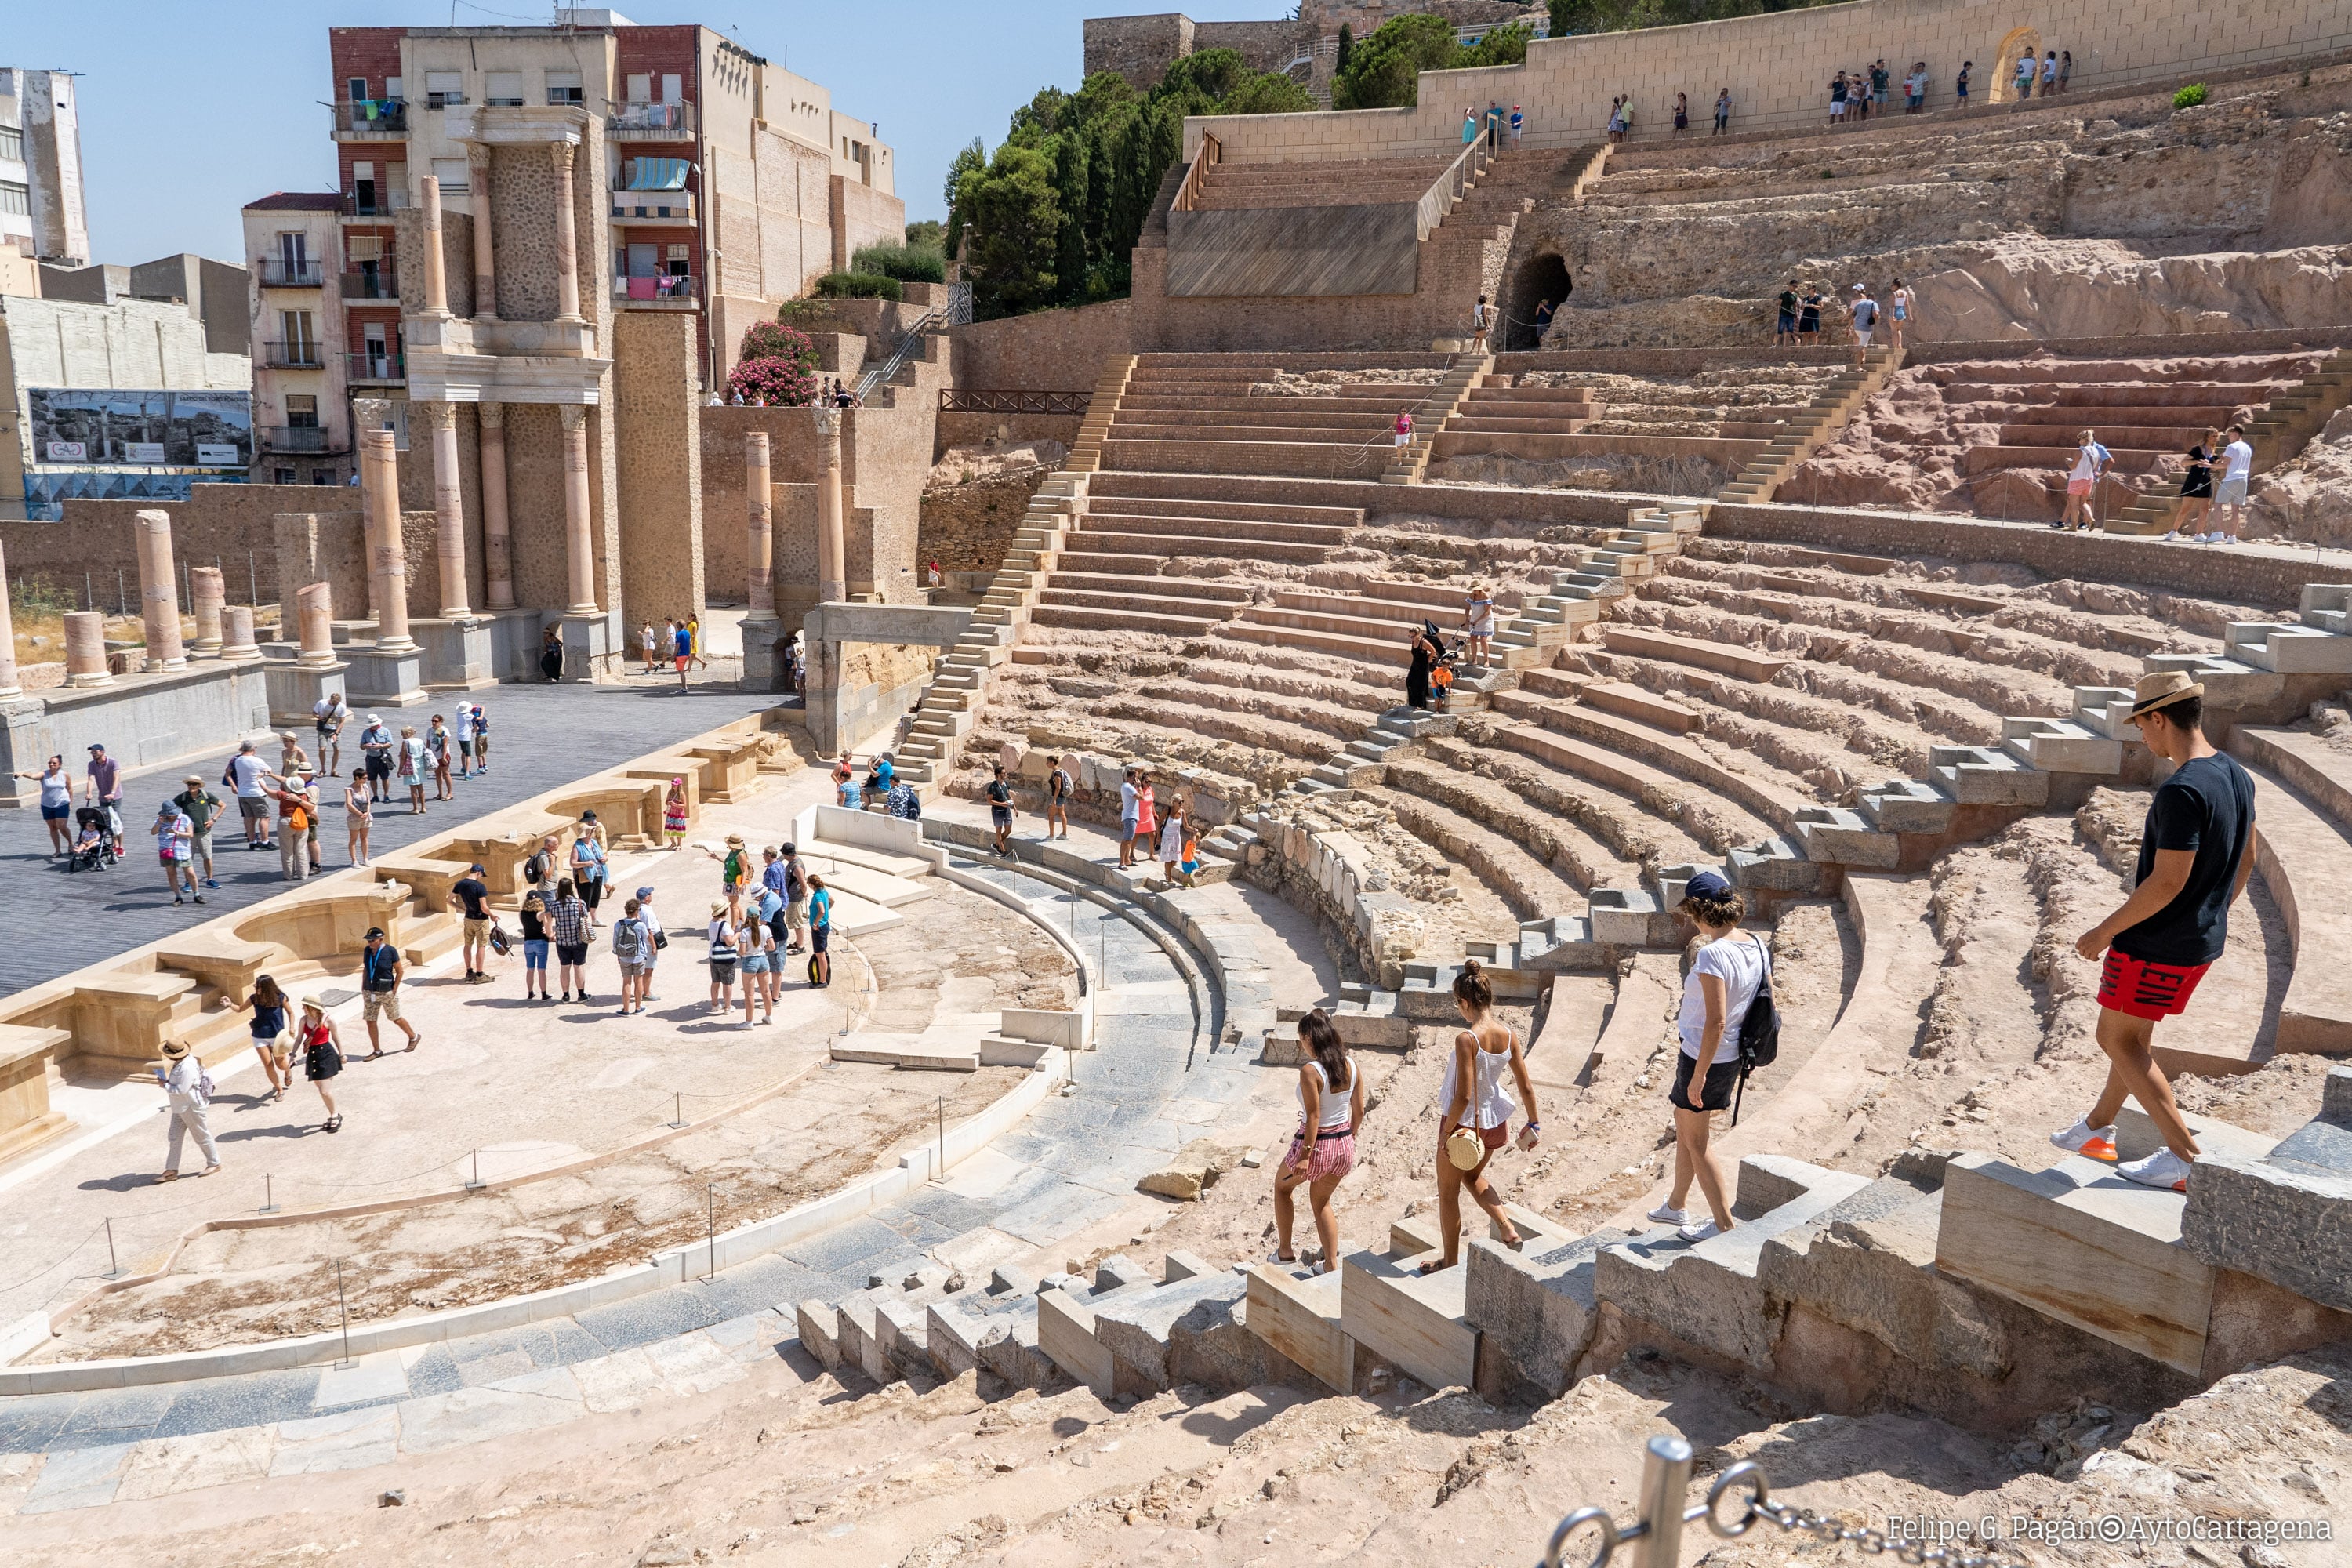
point(629, 940)
point(1759, 1030)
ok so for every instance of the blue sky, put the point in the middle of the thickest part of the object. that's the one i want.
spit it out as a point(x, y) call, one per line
point(191, 110)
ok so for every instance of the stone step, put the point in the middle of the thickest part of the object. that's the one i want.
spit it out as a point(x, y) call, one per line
point(1121, 540)
point(1413, 1321)
point(1721, 658)
point(1976, 775)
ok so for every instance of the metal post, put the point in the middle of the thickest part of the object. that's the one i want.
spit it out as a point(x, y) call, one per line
point(342, 1304)
point(268, 1197)
point(121, 594)
point(711, 1197)
point(1665, 1476)
point(113, 1267)
point(476, 1184)
point(252, 584)
point(678, 1110)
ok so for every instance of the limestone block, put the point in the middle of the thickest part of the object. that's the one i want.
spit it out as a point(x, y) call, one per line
point(1619, 917)
point(1065, 1333)
point(898, 1335)
point(2229, 682)
point(1139, 1329)
point(2297, 651)
point(1412, 1320)
point(1298, 1316)
point(858, 1337)
point(2061, 746)
point(820, 1332)
point(27, 1054)
point(1977, 775)
point(1907, 805)
point(1835, 835)
point(1533, 1311)
point(1010, 1350)
point(2325, 599)
point(1775, 865)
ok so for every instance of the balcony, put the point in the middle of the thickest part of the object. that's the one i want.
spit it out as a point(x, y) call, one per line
point(445, 100)
point(293, 357)
point(671, 292)
point(275, 273)
point(651, 122)
point(376, 369)
point(380, 205)
point(301, 438)
point(649, 208)
point(371, 120)
point(384, 283)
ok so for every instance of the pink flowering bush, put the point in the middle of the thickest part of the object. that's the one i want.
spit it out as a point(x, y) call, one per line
point(778, 368)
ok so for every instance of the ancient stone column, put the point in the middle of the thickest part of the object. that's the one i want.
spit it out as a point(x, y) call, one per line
point(158, 591)
point(498, 540)
point(579, 533)
point(567, 242)
point(209, 594)
point(296, 537)
point(436, 274)
point(238, 646)
point(317, 609)
point(832, 549)
point(760, 548)
point(387, 554)
point(86, 649)
point(486, 282)
point(9, 685)
point(448, 510)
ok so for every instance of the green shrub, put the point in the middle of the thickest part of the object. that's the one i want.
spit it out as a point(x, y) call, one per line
point(859, 286)
point(2189, 97)
point(907, 263)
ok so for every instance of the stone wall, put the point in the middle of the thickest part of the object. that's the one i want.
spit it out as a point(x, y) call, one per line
point(1140, 48)
point(657, 434)
point(1264, 45)
point(863, 215)
point(1047, 350)
point(457, 257)
point(1005, 429)
point(885, 454)
point(1773, 64)
point(227, 526)
point(416, 494)
point(969, 527)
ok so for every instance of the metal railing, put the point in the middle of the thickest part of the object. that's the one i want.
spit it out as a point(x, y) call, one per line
point(385, 205)
point(445, 100)
point(653, 206)
point(276, 273)
point(912, 339)
point(668, 288)
point(1446, 192)
point(301, 439)
point(386, 368)
point(292, 356)
point(953, 401)
point(652, 121)
point(1196, 178)
point(384, 283)
point(372, 117)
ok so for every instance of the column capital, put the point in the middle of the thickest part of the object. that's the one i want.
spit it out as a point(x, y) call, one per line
point(439, 416)
point(477, 154)
point(561, 151)
point(493, 416)
point(574, 414)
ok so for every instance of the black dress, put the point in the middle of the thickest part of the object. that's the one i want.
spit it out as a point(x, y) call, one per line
point(1416, 679)
point(551, 658)
point(2199, 480)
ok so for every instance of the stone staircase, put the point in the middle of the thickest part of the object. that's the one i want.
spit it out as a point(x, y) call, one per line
point(2285, 425)
point(1828, 414)
point(1410, 461)
point(1085, 456)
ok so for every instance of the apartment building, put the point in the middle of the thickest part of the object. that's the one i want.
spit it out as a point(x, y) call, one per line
point(302, 375)
point(41, 211)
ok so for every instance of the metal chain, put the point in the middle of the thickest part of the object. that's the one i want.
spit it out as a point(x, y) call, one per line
point(1873, 1542)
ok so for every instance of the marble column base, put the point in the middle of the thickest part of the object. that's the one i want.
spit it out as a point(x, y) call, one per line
point(384, 679)
point(294, 689)
point(459, 654)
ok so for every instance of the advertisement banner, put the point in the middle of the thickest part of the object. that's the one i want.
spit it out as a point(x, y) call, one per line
point(145, 428)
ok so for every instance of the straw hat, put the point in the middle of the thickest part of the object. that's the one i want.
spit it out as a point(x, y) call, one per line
point(717, 909)
point(313, 1001)
point(2162, 689)
point(736, 839)
point(175, 1049)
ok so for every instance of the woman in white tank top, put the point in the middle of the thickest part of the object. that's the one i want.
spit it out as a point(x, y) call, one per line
point(1473, 1097)
point(1330, 1102)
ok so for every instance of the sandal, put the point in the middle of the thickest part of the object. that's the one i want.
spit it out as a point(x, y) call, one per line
point(1433, 1267)
point(335, 1124)
point(415, 1041)
point(168, 1176)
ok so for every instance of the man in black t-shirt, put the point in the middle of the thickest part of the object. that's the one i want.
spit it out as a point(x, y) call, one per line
point(2196, 853)
point(1784, 335)
point(469, 899)
point(1000, 810)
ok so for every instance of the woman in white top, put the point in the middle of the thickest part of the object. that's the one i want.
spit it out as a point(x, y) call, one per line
point(1723, 981)
point(1479, 621)
point(56, 804)
point(1474, 1099)
point(1898, 310)
point(2090, 461)
point(1330, 1104)
point(1171, 846)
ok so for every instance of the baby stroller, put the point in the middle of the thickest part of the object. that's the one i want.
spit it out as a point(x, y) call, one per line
point(93, 846)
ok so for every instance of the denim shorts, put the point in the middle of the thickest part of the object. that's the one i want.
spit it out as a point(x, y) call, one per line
point(756, 963)
point(535, 955)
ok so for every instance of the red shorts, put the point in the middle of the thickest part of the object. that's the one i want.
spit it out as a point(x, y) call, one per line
point(2127, 985)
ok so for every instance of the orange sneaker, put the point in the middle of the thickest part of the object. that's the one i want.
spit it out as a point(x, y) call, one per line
point(2090, 1142)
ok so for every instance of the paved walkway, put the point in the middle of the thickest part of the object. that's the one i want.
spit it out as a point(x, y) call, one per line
point(1152, 1083)
point(543, 737)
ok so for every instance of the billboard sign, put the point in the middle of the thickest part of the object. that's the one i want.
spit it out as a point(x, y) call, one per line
point(130, 427)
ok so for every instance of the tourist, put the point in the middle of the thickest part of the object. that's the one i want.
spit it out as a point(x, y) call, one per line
point(1402, 429)
point(1474, 1121)
point(1784, 331)
point(734, 870)
point(172, 832)
point(694, 640)
point(657, 939)
point(795, 666)
point(632, 946)
point(2065, 68)
point(103, 786)
point(534, 944)
point(242, 777)
point(376, 748)
point(1915, 87)
point(292, 760)
point(1495, 120)
point(469, 900)
point(2197, 849)
point(551, 653)
point(1725, 979)
point(1808, 317)
point(183, 1080)
point(1899, 305)
point(776, 903)
point(1478, 622)
point(465, 740)
point(674, 814)
point(1058, 789)
point(204, 811)
point(328, 717)
point(819, 933)
point(1682, 112)
point(294, 808)
point(1961, 87)
point(999, 809)
point(1617, 120)
point(1469, 126)
point(1323, 1150)
point(877, 779)
point(1838, 93)
point(1171, 846)
point(903, 802)
point(1880, 77)
point(2050, 73)
point(1147, 815)
point(1479, 313)
point(1857, 97)
point(540, 867)
point(381, 969)
point(411, 768)
point(271, 1041)
point(795, 899)
point(588, 863)
point(310, 815)
point(567, 922)
point(1518, 125)
point(481, 739)
point(1128, 798)
point(323, 1055)
point(755, 949)
point(1625, 119)
point(2237, 472)
point(931, 572)
point(1865, 311)
point(437, 746)
point(2023, 85)
point(646, 646)
point(722, 939)
point(1426, 652)
point(2091, 461)
point(1722, 109)
point(845, 783)
point(56, 804)
point(2197, 489)
point(1543, 321)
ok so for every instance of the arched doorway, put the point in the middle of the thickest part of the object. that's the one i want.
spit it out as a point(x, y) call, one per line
point(2000, 78)
point(1540, 280)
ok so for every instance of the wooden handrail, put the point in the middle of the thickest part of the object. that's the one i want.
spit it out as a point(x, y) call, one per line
point(1196, 178)
point(1447, 189)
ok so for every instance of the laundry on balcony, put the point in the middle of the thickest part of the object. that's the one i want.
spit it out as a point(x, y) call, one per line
point(657, 174)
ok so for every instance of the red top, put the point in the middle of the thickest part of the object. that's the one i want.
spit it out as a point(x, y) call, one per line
point(1404, 425)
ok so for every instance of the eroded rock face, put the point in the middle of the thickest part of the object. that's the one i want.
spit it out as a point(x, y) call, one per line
point(2309, 498)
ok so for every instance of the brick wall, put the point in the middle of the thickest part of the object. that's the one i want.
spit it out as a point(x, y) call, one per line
point(227, 526)
point(1773, 65)
point(1140, 48)
point(657, 440)
point(1047, 350)
point(863, 215)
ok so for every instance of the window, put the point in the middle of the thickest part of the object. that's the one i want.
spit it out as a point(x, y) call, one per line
point(301, 411)
point(12, 143)
point(564, 87)
point(294, 252)
point(641, 89)
point(297, 332)
point(16, 200)
point(673, 89)
point(356, 88)
point(680, 264)
point(365, 247)
point(443, 89)
point(281, 476)
point(393, 86)
point(454, 174)
point(503, 89)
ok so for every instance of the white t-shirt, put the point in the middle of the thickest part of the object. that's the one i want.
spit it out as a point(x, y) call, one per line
point(1739, 962)
point(2240, 458)
point(2086, 463)
point(326, 713)
point(247, 770)
point(465, 725)
point(1127, 802)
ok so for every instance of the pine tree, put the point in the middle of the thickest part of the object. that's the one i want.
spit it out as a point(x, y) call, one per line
point(1070, 202)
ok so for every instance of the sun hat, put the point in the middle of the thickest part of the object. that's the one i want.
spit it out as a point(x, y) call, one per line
point(192, 778)
point(313, 1001)
point(717, 909)
point(175, 1049)
point(1705, 885)
point(2163, 689)
point(167, 809)
point(734, 839)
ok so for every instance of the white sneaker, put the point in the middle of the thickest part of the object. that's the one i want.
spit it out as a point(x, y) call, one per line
point(2162, 1169)
point(2090, 1142)
point(1667, 1213)
point(1700, 1231)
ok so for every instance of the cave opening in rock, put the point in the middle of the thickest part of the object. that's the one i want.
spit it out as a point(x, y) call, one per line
point(1540, 281)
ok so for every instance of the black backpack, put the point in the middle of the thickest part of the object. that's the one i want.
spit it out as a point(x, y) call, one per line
point(1759, 1031)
